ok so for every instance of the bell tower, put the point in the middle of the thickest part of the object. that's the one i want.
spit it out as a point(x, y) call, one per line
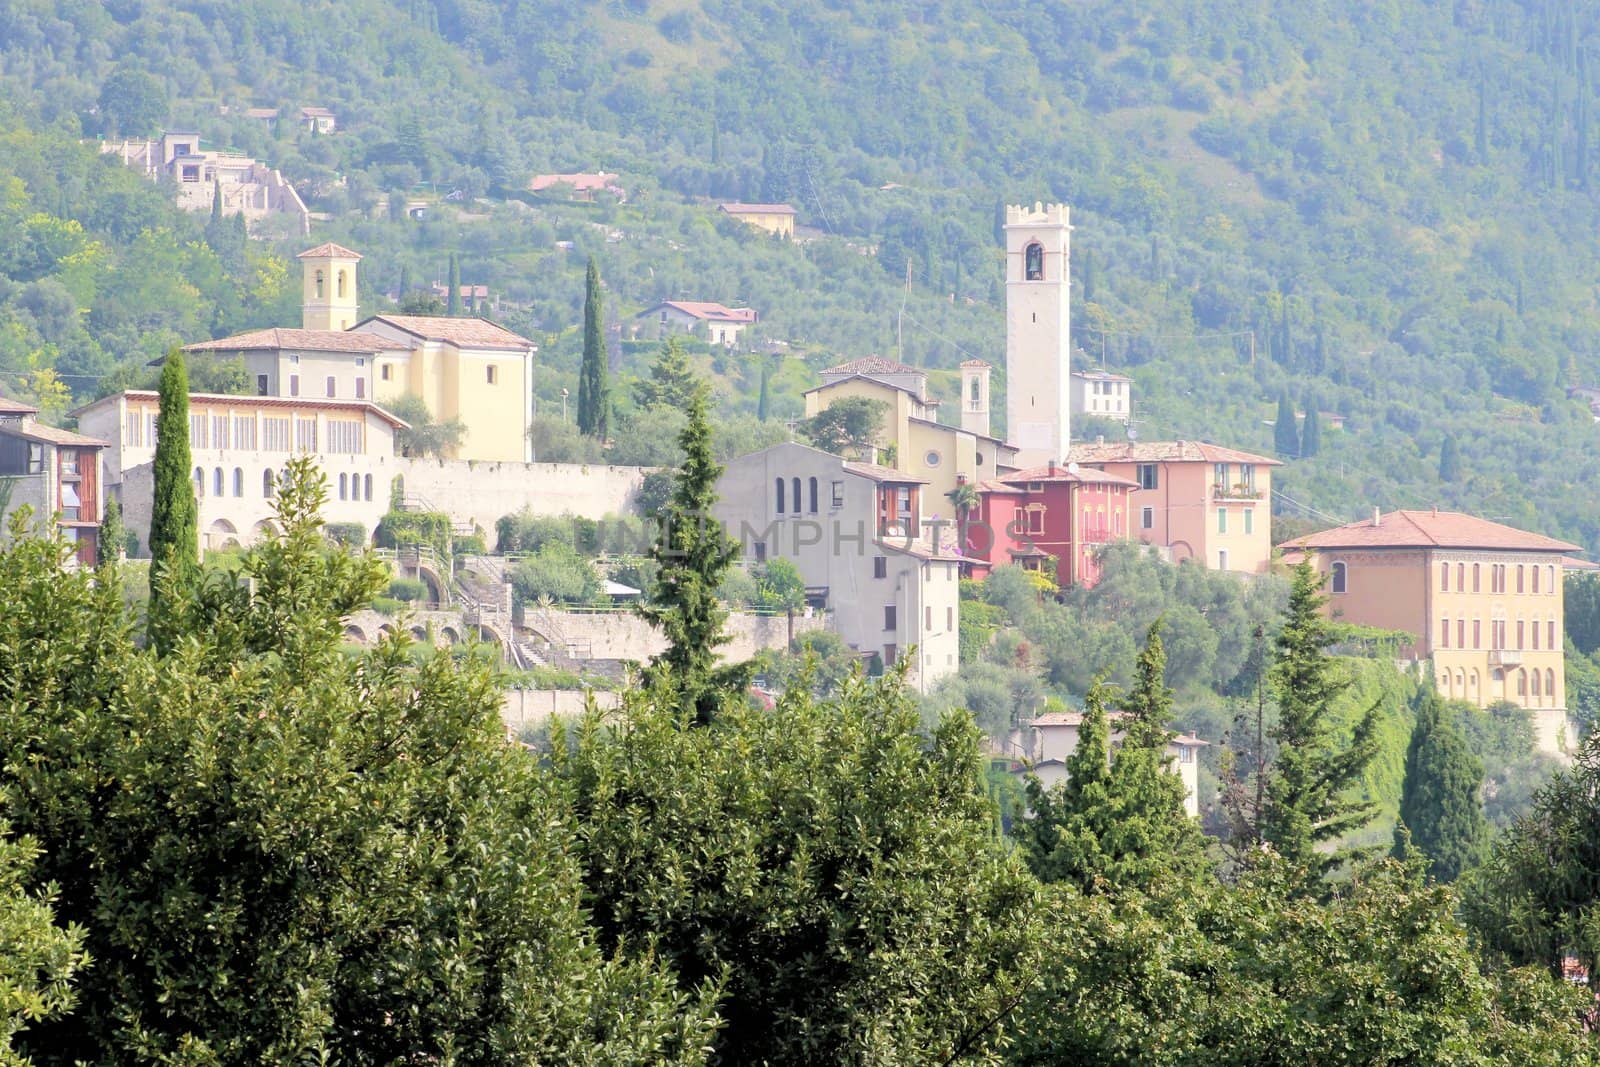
point(975, 396)
point(1038, 334)
point(328, 299)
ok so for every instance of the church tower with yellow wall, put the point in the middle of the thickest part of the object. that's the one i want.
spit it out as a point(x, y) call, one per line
point(329, 288)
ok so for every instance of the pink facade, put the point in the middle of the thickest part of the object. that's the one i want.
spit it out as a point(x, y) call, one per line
point(1051, 512)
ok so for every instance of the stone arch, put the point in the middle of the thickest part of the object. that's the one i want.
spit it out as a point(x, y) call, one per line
point(265, 530)
point(352, 632)
point(419, 633)
point(385, 630)
point(222, 534)
point(449, 636)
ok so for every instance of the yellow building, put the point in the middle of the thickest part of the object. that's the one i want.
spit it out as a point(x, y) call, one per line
point(1482, 601)
point(469, 369)
point(774, 218)
point(923, 447)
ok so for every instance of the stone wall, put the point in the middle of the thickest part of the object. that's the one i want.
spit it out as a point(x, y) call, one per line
point(623, 635)
point(523, 708)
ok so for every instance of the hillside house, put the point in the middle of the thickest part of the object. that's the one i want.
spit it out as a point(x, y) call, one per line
point(55, 472)
point(1054, 738)
point(776, 219)
point(582, 187)
point(715, 323)
point(248, 188)
point(1100, 394)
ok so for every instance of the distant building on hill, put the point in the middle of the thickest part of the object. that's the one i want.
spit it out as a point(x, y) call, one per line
point(248, 188)
point(318, 120)
point(717, 324)
point(1061, 513)
point(579, 186)
point(1054, 738)
point(774, 218)
point(1100, 394)
point(1483, 603)
point(55, 472)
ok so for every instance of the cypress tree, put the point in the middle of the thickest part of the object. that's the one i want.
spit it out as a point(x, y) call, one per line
point(113, 535)
point(1285, 433)
point(174, 540)
point(1311, 433)
point(1307, 790)
point(763, 403)
point(453, 301)
point(694, 552)
point(1449, 460)
point(594, 393)
point(1439, 802)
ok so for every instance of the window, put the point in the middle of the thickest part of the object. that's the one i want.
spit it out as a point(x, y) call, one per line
point(1461, 633)
point(880, 567)
point(1550, 681)
point(1219, 477)
point(1444, 633)
point(492, 374)
point(1147, 518)
point(1033, 262)
point(275, 434)
point(1550, 636)
point(361, 388)
point(927, 618)
point(197, 431)
point(976, 396)
point(761, 551)
point(1536, 684)
point(294, 359)
point(1341, 575)
point(238, 481)
point(794, 483)
point(1222, 559)
point(344, 436)
point(1222, 520)
point(1535, 579)
point(1461, 577)
point(340, 284)
point(386, 372)
point(949, 618)
point(199, 481)
point(1522, 683)
point(317, 278)
point(1036, 520)
point(367, 486)
point(889, 619)
point(218, 486)
point(1521, 634)
point(332, 391)
point(344, 486)
point(294, 385)
point(1536, 634)
point(1249, 520)
point(838, 494)
point(305, 435)
point(1444, 577)
point(1477, 633)
point(1520, 569)
point(1247, 477)
point(1550, 578)
point(781, 508)
point(261, 385)
point(132, 424)
point(1147, 476)
point(812, 488)
point(71, 503)
point(266, 483)
point(1475, 577)
point(361, 361)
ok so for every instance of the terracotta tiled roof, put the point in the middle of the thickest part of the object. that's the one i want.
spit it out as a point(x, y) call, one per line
point(707, 310)
point(976, 363)
point(1074, 718)
point(38, 431)
point(328, 249)
point(1572, 563)
point(233, 400)
point(1055, 472)
point(990, 485)
point(463, 333)
point(16, 407)
point(304, 340)
point(758, 209)
point(882, 474)
point(587, 183)
point(874, 365)
point(1429, 529)
point(1162, 452)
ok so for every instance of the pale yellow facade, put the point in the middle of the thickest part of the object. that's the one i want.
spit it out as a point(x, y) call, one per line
point(774, 218)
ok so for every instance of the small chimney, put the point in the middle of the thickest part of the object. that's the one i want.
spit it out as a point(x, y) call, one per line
point(1099, 438)
point(1377, 516)
point(1436, 511)
point(1052, 468)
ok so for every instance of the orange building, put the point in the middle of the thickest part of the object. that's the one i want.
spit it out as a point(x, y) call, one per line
point(1483, 602)
point(1196, 500)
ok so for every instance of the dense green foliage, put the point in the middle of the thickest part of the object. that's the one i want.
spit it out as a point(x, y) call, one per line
point(1441, 806)
point(37, 958)
point(850, 427)
point(174, 512)
point(424, 435)
point(594, 390)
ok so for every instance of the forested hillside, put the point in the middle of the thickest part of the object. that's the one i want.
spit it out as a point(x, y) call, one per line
point(1387, 204)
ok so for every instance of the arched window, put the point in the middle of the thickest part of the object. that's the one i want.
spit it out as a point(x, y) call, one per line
point(340, 284)
point(1474, 680)
point(1444, 683)
point(1475, 573)
point(1521, 632)
point(1522, 684)
point(266, 483)
point(199, 481)
point(780, 497)
point(1550, 578)
point(1550, 684)
point(1519, 577)
point(977, 391)
point(238, 481)
point(344, 486)
point(318, 278)
point(812, 498)
point(1536, 685)
point(795, 504)
point(367, 485)
point(218, 486)
point(1461, 577)
point(1340, 577)
point(1444, 577)
point(1536, 579)
point(1033, 262)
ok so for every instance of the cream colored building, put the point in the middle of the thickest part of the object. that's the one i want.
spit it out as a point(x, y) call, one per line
point(1100, 394)
point(1482, 601)
point(1038, 332)
point(463, 368)
point(937, 454)
point(248, 188)
point(774, 218)
point(715, 323)
point(1055, 738)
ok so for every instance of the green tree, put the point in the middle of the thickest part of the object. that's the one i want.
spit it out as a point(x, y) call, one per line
point(422, 434)
point(693, 552)
point(340, 859)
point(38, 959)
point(764, 399)
point(1440, 804)
point(828, 868)
point(672, 380)
point(1449, 460)
point(594, 392)
point(850, 426)
point(1311, 433)
point(1285, 430)
point(453, 296)
point(112, 539)
point(1308, 801)
point(174, 538)
point(133, 102)
point(781, 587)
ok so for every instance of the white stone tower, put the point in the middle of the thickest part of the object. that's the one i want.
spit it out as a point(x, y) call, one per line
point(1038, 334)
point(329, 288)
point(975, 396)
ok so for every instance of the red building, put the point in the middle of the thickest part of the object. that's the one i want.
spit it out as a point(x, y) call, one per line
point(1064, 513)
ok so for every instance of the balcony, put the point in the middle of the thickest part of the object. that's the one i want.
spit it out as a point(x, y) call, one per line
point(1242, 491)
point(1505, 657)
